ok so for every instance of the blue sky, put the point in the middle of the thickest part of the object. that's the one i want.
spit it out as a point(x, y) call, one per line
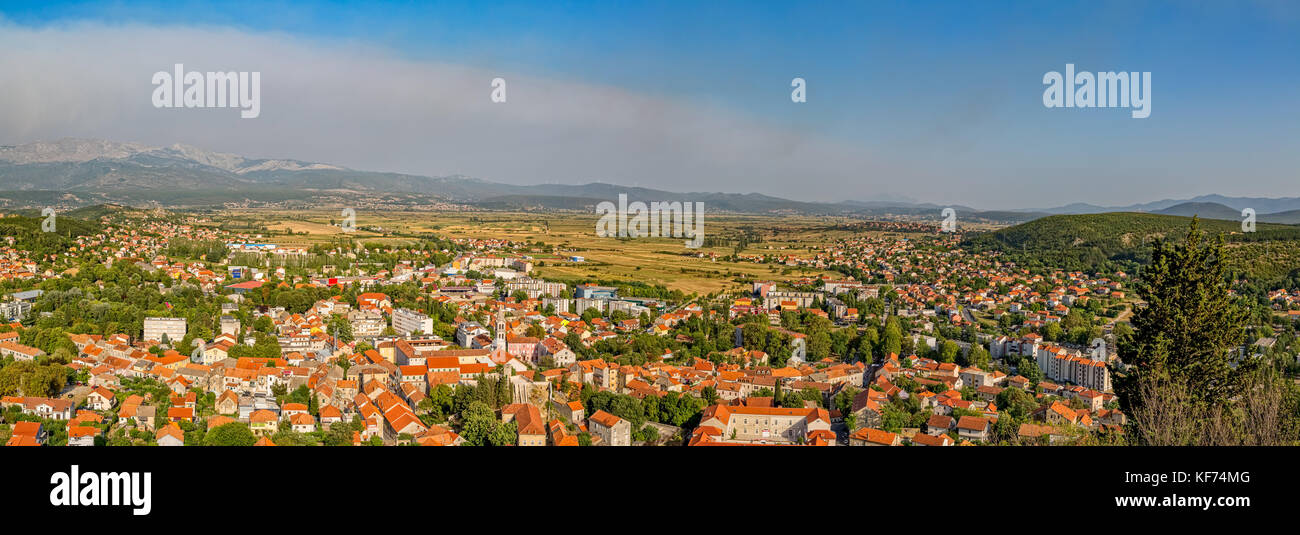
point(942, 98)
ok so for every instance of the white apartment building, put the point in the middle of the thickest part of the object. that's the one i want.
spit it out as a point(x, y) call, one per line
point(465, 333)
point(535, 288)
point(406, 321)
point(366, 323)
point(156, 328)
point(1058, 363)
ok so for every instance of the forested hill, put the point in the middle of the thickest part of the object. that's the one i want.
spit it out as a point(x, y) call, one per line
point(29, 238)
point(1122, 241)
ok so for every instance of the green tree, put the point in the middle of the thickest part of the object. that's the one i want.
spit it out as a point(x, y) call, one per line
point(978, 357)
point(1053, 331)
point(267, 347)
point(1189, 326)
point(893, 340)
point(477, 424)
point(819, 345)
point(1017, 403)
point(231, 434)
point(1029, 369)
point(867, 343)
point(948, 351)
point(264, 324)
point(341, 328)
point(503, 434)
point(1188, 383)
point(844, 400)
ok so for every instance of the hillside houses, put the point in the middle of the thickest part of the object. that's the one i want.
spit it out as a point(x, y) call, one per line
point(425, 321)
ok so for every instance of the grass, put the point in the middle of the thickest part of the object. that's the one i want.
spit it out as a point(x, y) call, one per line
point(664, 261)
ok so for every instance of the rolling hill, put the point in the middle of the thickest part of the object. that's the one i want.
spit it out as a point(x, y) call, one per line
point(1205, 210)
point(1213, 210)
point(89, 171)
point(1122, 241)
point(1261, 205)
point(29, 237)
point(82, 172)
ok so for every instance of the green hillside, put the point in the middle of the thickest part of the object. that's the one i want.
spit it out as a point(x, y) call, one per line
point(29, 237)
point(1122, 241)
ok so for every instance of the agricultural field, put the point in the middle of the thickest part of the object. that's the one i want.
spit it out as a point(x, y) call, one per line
point(664, 261)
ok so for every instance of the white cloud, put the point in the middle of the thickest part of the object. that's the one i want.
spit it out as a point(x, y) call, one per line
point(366, 108)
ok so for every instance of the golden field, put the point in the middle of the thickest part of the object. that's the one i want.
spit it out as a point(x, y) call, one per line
point(664, 261)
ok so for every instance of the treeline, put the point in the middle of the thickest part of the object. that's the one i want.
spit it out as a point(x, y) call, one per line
point(212, 251)
point(30, 378)
point(30, 238)
point(77, 305)
point(1105, 243)
point(679, 410)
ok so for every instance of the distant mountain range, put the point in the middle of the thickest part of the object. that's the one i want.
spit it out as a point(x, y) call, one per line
point(1214, 210)
point(1215, 203)
point(93, 171)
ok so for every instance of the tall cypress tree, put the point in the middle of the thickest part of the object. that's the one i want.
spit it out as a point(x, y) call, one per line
point(893, 341)
point(503, 394)
point(1190, 324)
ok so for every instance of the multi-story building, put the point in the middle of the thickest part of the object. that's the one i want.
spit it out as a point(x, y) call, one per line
point(406, 321)
point(18, 351)
point(14, 310)
point(229, 325)
point(591, 291)
point(975, 377)
point(158, 328)
point(300, 341)
point(765, 425)
point(1003, 346)
point(627, 307)
point(561, 304)
point(531, 427)
point(484, 263)
point(366, 323)
point(523, 348)
point(802, 299)
point(536, 288)
point(1059, 363)
point(973, 428)
point(581, 304)
point(612, 430)
point(1081, 371)
point(52, 408)
point(466, 331)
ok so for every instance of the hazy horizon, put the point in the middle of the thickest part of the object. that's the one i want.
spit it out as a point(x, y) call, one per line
point(939, 103)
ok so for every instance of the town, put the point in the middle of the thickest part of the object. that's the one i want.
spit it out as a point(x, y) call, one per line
point(170, 329)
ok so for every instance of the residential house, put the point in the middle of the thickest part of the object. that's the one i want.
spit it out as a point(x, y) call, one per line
point(612, 430)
